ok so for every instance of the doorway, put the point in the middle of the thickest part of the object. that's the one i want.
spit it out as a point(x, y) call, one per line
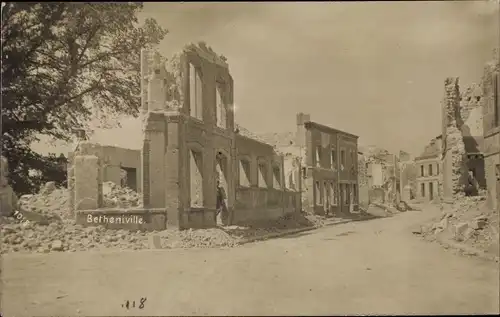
point(431, 191)
point(222, 216)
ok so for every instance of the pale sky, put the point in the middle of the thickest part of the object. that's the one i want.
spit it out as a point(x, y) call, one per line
point(374, 69)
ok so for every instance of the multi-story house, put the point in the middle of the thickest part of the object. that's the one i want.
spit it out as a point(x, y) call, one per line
point(428, 171)
point(329, 160)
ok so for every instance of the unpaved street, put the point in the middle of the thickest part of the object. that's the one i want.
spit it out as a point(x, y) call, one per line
point(373, 267)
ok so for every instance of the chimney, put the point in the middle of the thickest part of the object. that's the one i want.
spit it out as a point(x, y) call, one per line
point(300, 136)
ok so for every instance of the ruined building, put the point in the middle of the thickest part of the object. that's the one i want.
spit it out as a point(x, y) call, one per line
point(462, 141)
point(453, 162)
point(190, 145)
point(491, 126)
point(330, 170)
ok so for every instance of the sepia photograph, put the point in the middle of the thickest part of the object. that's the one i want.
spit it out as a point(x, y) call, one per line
point(332, 158)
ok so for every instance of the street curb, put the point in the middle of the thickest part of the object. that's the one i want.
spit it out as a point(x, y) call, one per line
point(466, 250)
point(276, 235)
point(293, 231)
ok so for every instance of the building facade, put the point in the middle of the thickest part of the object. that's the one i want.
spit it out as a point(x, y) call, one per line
point(330, 167)
point(491, 126)
point(428, 171)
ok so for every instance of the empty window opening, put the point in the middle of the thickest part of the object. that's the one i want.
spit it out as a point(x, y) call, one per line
point(326, 194)
point(262, 181)
point(347, 194)
point(437, 169)
point(221, 168)
point(245, 173)
point(422, 190)
point(128, 178)
point(318, 156)
point(196, 178)
point(276, 177)
point(195, 93)
point(430, 169)
point(304, 173)
point(333, 159)
point(220, 112)
point(317, 193)
point(421, 170)
point(354, 194)
point(342, 193)
point(342, 159)
point(291, 180)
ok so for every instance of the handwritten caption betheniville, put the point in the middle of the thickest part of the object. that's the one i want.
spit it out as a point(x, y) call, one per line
point(115, 219)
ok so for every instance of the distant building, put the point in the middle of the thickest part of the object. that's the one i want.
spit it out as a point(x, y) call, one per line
point(428, 171)
point(329, 160)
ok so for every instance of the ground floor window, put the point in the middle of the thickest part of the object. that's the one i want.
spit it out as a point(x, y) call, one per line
point(317, 193)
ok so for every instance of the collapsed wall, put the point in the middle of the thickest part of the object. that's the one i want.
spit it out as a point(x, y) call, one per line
point(454, 155)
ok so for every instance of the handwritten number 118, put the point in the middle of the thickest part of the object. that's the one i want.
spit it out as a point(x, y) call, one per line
point(141, 303)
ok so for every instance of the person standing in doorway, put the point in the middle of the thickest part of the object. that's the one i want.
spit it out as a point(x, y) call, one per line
point(221, 200)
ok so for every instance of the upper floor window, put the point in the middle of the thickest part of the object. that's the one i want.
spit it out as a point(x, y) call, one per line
point(220, 107)
point(333, 159)
point(421, 170)
point(342, 157)
point(430, 169)
point(195, 93)
point(318, 156)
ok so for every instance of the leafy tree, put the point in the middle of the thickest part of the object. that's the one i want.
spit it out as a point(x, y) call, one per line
point(62, 63)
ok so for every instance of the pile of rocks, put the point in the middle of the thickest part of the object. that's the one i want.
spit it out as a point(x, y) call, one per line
point(115, 196)
point(51, 202)
point(467, 221)
point(65, 236)
point(58, 232)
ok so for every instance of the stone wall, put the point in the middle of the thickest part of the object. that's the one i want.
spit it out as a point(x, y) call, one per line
point(111, 160)
point(265, 190)
point(453, 151)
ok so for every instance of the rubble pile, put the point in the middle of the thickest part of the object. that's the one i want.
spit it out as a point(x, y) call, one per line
point(469, 221)
point(64, 236)
point(51, 202)
point(60, 233)
point(115, 196)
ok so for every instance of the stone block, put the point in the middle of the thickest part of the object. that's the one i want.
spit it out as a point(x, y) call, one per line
point(478, 223)
point(196, 219)
point(460, 229)
point(209, 218)
point(86, 182)
point(154, 241)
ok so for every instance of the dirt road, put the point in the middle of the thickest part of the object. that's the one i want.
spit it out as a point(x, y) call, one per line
point(373, 267)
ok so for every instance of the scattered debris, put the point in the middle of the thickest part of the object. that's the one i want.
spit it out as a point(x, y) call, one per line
point(467, 221)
